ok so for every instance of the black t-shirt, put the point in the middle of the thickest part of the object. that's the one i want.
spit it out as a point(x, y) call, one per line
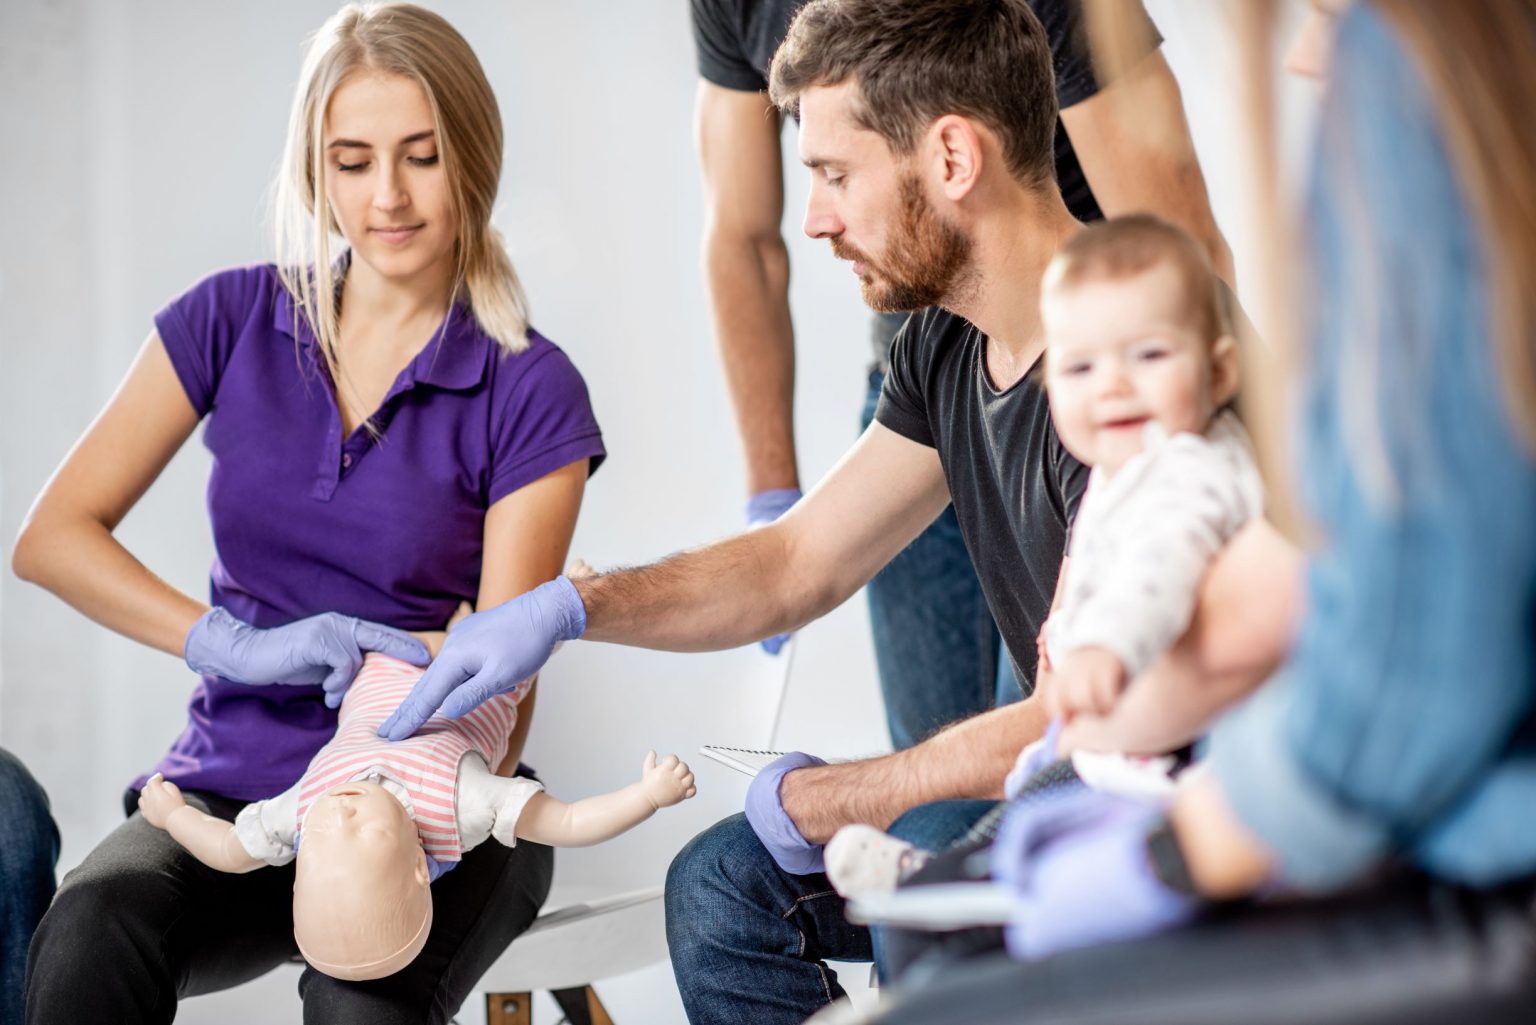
point(1015, 488)
point(736, 40)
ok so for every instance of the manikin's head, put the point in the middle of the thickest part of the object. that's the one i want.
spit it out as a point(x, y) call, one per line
point(918, 121)
point(362, 902)
point(1134, 332)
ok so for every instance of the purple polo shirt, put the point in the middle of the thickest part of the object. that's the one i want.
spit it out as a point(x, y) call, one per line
point(306, 520)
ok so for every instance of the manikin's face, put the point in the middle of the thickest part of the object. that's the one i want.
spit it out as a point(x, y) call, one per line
point(386, 185)
point(1122, 352)
point(362, 817)
point(873, 208)
point(361, 903)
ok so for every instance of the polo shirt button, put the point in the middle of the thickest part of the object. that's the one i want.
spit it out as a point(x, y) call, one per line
point(346, 460)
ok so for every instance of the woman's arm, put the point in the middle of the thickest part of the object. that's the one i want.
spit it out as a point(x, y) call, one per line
point(527, 537)
point(66, 543)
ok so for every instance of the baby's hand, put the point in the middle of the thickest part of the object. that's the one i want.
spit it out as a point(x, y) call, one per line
point(159, 798)
point(668, 782)
point(1089, 681)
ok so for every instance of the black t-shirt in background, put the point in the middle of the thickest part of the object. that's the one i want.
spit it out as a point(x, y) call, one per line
point(1015, 487)
point(736, 40)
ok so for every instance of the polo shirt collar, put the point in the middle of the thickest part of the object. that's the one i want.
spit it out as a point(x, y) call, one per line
point(455, 358)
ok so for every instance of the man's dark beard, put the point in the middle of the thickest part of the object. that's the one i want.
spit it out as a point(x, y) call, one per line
point(923, 259)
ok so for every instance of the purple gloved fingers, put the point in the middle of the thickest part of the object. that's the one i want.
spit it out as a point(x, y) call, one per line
point(490, 653)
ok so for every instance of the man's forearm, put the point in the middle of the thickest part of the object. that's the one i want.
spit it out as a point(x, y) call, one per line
point(967, 760)
point(723, 595)
point(749, 299)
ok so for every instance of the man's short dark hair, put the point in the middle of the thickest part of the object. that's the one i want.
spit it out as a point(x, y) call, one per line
point(917, 60)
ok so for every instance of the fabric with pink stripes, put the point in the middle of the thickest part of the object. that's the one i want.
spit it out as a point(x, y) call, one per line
point(426, 764)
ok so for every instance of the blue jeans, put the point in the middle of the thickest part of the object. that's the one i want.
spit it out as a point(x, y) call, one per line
point(29, 850)
point(939, 654)
point(750, 942)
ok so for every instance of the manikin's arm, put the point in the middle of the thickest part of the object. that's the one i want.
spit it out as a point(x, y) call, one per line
point(1133, 142)
point(210, 840)
point(583, 823)
point(746, 268)
point(777, 578)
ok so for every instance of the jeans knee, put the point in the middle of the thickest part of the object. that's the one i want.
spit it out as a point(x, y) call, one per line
point(711, 877)
point(936, 826)
point(30, 831)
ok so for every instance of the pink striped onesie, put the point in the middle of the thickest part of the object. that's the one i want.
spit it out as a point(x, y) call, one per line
point(426, 764)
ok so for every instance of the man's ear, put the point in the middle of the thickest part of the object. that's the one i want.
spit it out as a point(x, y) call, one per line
point(957, 154)
point(1225, 376)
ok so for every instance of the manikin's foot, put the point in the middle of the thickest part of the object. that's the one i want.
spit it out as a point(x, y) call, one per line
point(861, 859)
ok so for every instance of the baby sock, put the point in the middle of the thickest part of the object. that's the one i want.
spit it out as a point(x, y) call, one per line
point(862, 859)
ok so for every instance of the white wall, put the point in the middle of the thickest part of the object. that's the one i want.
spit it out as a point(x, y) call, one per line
point(140, 139)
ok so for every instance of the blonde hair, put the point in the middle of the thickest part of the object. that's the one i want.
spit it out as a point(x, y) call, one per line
point(398, 39)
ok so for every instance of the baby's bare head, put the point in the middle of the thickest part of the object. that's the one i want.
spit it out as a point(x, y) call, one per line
point(362, 900)
point(1136, 331)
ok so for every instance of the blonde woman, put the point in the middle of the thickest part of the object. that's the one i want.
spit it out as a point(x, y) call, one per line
point(389, 439)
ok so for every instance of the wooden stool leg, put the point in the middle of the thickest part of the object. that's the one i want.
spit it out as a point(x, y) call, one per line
point(509, 1009)
point(581, 1006)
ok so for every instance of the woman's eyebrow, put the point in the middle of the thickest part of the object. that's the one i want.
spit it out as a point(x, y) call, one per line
point(357, 144)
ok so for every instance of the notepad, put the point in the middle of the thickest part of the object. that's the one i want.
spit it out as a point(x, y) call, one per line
point(741, 759)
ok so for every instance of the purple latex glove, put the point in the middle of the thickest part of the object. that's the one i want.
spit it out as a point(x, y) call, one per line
point(1080, 868)
point(491, 652)
point(1032, 759)
point(772, 824)
point(437, 869)
point(326, 649)
point(763, 508)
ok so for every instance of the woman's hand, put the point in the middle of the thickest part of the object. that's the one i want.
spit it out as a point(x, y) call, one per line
point(326, 649)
